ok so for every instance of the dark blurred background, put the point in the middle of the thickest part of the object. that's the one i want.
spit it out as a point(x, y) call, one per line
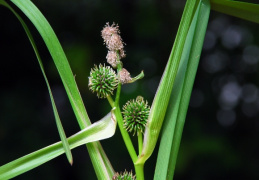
point(220, 139)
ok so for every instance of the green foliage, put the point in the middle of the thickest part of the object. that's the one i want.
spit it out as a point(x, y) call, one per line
point(169, 107)
point(102, 129)
point(179, 101)
point(161, 100)
point(58, 121)
point(99, 159)
point(243, 10)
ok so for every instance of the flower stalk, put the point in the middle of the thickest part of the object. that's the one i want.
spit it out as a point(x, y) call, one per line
point(103, 80)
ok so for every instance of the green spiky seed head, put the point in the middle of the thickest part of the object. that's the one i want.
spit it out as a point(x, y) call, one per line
point(135, 114)
point(124, 176)
point(103, 80)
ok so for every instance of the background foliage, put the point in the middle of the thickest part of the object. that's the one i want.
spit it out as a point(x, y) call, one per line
point(222, 125)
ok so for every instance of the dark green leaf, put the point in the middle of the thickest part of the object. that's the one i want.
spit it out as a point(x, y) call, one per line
point(179, 102)
point(162, 97)
point(244, 10)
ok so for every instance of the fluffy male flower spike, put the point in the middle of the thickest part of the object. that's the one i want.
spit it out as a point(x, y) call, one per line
point(103, 80)
point(112, 39)
point(115, 43)
point(108, 31)
point(112, 58)
point(124, 176)
point(135, 114)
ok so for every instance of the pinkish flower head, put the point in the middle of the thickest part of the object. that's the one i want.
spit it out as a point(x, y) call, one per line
point(108, 31)
point(124, 76)
point(112, 39)
point(122, 53)
point(115, 43)
point(112, 58)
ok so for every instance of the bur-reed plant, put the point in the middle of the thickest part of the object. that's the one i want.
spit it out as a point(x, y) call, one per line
point(164, 118)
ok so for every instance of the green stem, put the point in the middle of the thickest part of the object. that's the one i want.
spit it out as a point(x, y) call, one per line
point(139, 168)
point(117, 112)
point(118, 93)
point(109, 98)
point(140, 142)
point(125, 135)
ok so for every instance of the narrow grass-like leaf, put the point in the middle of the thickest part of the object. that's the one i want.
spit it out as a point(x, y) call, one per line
point(172, 111)
point(176, 113)
point(58, 55)
point(244, 10)
point(102, 129)
point(197, 45)
point(162, 97)
point(97, 155)
point(58, 122)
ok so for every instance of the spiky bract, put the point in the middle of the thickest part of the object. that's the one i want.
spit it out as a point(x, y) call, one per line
point(103, 80)
point(124, 176)
point(135, 114)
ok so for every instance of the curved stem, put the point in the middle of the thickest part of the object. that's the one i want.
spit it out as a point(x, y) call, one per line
point(109, 98)
point(140, 76)
point(125, 135)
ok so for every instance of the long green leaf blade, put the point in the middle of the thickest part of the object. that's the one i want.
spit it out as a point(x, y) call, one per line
point(197, 45)
point(244, 10)
point(175, 119)
point(102, 129)
point(174, 104)
point(97, 155)
point(58, 121)
point(162, 97)
point(59, 57)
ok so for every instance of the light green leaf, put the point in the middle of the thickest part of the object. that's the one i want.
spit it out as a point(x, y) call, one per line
point(179, 101)
point(102, 129)
point(97, 155)
point(59, 57)
point(58, 122)
point(160, 103)
point(244, 10)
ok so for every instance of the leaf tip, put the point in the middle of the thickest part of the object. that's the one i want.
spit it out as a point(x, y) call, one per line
point(71, 161)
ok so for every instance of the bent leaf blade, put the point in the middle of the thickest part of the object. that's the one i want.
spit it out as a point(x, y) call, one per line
point(57, 118)
point(103, 129)
point(95, 150)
